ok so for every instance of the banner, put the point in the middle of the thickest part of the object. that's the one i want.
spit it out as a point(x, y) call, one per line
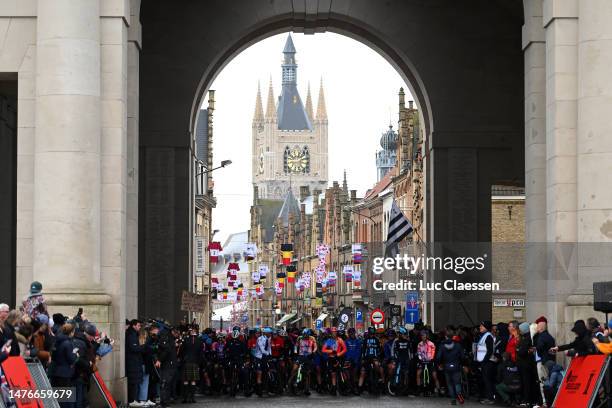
point(104, 391)
point(580, 384)
point(19, 378)
point(199, 256)
point(191, 302)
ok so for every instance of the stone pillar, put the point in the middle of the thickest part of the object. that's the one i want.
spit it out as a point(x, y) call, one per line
point(594, 154)
point(561, 25)
point(67, 151)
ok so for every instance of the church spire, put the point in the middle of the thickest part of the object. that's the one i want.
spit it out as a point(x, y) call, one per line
point(321, 109)
point(309, 104)
point(258, 115)
point(270, 106)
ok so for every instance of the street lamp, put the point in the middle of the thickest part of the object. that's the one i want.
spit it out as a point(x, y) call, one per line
point(224, 163)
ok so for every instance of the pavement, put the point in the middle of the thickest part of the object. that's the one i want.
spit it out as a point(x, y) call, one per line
point(316, 400)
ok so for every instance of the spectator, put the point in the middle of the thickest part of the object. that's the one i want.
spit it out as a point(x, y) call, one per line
point(513, 339)
point(133, 361)
point(85, 364)
point(603, 343)
point(542, 341)
point(449, 358)
point(34, 304)
point(582, 344)
point(58, 321)
point(167, 363)
point(42, 339)
point(63, 359)
point(484, 352)
point(508, 379)
point(4, 334)
point(527, 366)
point(10, 327)
point(555, 377)
point(24, 336)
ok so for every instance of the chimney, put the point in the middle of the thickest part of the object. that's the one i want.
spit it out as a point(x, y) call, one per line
point(335, 184)
point(410, 104)
point(304, 192)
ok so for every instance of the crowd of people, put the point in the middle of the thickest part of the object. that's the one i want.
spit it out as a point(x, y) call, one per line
point(509, 364)
point(69, 348)
point(506, 363)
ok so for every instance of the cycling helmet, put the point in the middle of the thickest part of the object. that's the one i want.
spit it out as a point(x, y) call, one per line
point(282, 333)
point(351, 330)
point(390, 333)
point(268, 330)
point(371, 330)
point(341, 333)
point(221, 335)
point(236, 328)
point(402, 331)
point(306, 332)
point(236, 332)
point(334, 330)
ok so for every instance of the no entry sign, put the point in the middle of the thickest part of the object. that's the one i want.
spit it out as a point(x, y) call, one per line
point(377, 316)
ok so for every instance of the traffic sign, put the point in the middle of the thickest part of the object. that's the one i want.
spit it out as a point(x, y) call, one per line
point(412, 301)
point(319, 324)
point(377, 316)
point(412, 316)
point(359, 315)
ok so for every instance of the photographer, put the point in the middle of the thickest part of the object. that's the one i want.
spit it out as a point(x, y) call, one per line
point(582, 344)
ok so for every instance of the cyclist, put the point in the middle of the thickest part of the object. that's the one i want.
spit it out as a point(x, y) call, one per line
point(263, 350)
point(220, 363)
point(334, 348)
point(371, 354)
point(426, 351)
point(401, 350)
point(236, 352)
point(353, 353)
point(305, 348)
point(278, 353)
point(388, 352)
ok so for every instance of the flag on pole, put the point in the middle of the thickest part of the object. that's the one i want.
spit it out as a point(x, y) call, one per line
point(399, 228)
point(287, 253)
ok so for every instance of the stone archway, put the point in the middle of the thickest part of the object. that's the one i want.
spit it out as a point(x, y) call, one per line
point(463, 60)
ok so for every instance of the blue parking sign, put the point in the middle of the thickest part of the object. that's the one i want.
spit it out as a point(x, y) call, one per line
point(359, 315)
point(319, 324)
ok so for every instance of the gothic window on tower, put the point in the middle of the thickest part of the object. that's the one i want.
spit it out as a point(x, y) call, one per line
point(306, 155)
point(285, 159)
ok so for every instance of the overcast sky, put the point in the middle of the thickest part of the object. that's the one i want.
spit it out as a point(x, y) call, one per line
point(361, 90)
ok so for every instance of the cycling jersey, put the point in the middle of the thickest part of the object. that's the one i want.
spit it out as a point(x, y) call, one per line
point(219, 348)
point(388, 349)
point(401, 350)
point(371, 348)
point(426, 351)
point(334, 346)
point(278, 346)
point(264, 347)
point(305, 346)
point(353, 349)
point(235, 349)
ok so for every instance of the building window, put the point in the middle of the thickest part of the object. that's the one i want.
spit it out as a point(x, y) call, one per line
point(285, 157)
point(306, 155)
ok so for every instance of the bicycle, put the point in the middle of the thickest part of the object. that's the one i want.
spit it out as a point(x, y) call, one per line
point(297, 381)
point(399, 383)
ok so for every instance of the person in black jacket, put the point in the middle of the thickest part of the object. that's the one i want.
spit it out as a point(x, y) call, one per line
point(133, 360)
point(63, 358)
point(582, 344)
point(525, 361)
point(449, 359)
point(509, 381)
point(166, 362)
point(190, 354)
point(84, 365)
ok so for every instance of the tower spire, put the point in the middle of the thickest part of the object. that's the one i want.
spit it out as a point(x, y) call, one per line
point(258, 115)
point(270, 106)
point(309, 104)
point(321, 109)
